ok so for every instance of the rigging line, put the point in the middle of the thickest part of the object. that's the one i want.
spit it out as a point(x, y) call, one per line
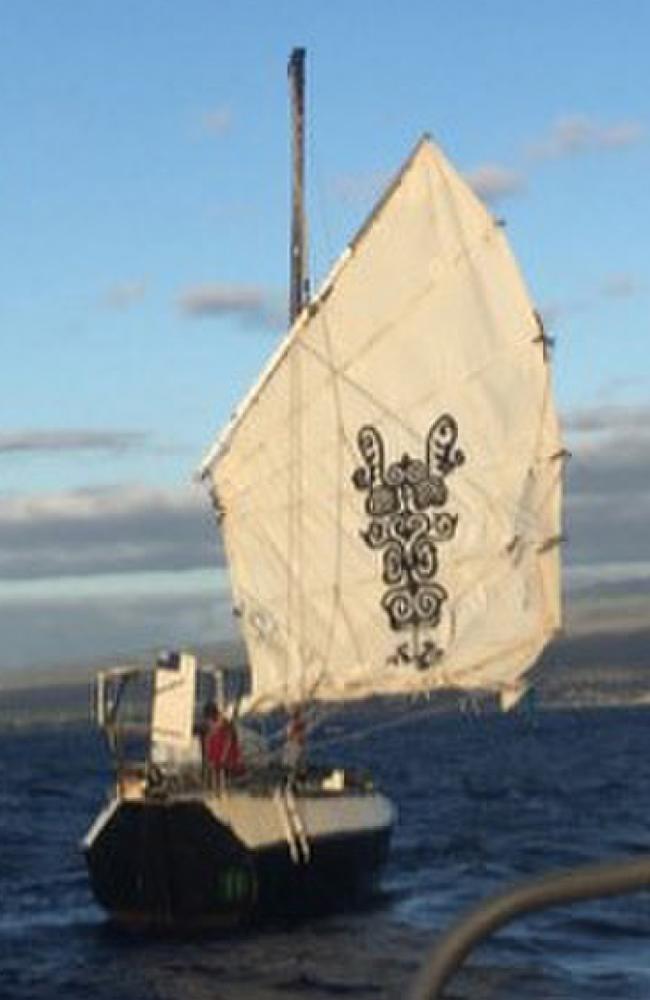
point(237, 496)
point(552, 483)
point(466, 254)
point(299, 511)
point(275, 473)
point(299, 341)
point(259, 455)
point(298, 328)
point(225, 439)
point(323, 712)
point(262, 449)
point(254, 452)
point(497, 505)
point(380, 332)
point(257, 489)
point(325, 509)
point(293, 568)
point(354, 639)
point(252, 517)
point(320, 624)
point(279, 423)
point(315, 172)
point(475, 278)
point(244, 593)
point(241, 568)
point(262, 509)
point(315, 660)
point(362, 734)
point(366, 394)
point(472, 485)
point(277, 737)
point(263, 538)
point(290, 488)
point(452, 383)
point(338, 510)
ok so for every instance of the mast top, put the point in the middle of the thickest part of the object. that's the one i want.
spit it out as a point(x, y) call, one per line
point(297, 58)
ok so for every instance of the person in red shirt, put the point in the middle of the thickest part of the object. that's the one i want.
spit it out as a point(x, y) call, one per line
point(222, 750)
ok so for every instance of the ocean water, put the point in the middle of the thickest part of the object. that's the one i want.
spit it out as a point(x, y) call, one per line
point(482, 802)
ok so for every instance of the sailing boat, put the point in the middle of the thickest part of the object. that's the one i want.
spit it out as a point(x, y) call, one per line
point(389, 496)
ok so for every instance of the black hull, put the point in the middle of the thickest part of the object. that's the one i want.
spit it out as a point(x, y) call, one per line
point(172, 864)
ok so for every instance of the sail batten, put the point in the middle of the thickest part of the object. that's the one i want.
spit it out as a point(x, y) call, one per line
point(389, 484)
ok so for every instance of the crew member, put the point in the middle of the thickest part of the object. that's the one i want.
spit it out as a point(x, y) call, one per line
point(222, 750)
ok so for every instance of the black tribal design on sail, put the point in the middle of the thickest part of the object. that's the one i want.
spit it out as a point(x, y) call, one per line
point(407, 522)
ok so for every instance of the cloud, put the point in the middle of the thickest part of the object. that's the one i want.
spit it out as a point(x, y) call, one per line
point(608, 485)
point(61, 632)
point(621, 286)
point(567, 136)
point(574, 134)
point(492, 182)
point(44, 442)
point(616, 387)
point(218, 121)
point(222, 299)
point(555, 311)
point(106, 531)
point(606, 529)
point(124, 295)
point(252, 305)
point(609, 419)
point(611, 463)
point(627, 577)
point(617, 286)
point(77, 539)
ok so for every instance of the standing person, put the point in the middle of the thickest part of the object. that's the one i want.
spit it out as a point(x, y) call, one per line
point(204, 730)
point(293, 753)
point(222, 751)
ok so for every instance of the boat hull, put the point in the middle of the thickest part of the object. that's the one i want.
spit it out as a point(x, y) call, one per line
point(177, 864)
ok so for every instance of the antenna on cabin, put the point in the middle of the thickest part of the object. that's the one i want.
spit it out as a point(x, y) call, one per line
point(299, 279)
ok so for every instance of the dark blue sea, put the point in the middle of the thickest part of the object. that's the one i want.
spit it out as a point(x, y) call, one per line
point(482, 801)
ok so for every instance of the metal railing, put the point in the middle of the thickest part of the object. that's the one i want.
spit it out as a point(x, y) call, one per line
point(587, 882)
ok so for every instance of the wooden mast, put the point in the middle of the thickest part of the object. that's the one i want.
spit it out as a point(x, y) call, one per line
point(299, 280)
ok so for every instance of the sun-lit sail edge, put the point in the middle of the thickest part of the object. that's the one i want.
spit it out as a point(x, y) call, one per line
point(223, 439)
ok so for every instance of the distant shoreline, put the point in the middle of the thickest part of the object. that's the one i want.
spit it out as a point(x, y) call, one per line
point(597, 664)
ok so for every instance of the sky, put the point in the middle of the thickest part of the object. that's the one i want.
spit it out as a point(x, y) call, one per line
point(144, 192)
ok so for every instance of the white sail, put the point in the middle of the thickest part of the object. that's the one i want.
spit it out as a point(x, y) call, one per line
point(513, 695)
point(391, 486)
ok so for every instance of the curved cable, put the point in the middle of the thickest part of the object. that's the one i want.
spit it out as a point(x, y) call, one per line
point(572, 886)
